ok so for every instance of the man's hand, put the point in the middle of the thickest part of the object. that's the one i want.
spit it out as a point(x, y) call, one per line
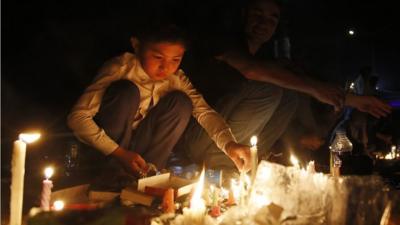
point(240, 155)
point(131, 161)
point(329, 94)
point(368, 104)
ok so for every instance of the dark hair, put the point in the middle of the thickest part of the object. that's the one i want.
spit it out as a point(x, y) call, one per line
point(161, 31)
point(279, 3)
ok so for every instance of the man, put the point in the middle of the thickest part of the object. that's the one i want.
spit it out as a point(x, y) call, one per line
point(249, 88)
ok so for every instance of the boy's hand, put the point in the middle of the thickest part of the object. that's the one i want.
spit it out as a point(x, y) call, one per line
point(240, 155)
point(131, 161)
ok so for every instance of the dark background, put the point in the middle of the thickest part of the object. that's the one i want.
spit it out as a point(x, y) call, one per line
point(51, 51)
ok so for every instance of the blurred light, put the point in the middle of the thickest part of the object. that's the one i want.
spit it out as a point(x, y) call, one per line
point(58, 205)
point(351, 32)
point(29, 137)
point(294, 161)
point(48, 172)
point(253, 141)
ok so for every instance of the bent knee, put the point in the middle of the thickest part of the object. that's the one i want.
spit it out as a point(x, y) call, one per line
point(124, 89)
point(181, 101)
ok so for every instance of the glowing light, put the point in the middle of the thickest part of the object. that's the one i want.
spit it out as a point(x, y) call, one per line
point(29, 137)
point(264, 173)
point(389, 156)
point(235, 187)
point(259, 200)
point(311, 167)
point(197, 201)
point(48, 172)
point(351, 32)
point(294, 161)
point(253, 140)
point(58, 205)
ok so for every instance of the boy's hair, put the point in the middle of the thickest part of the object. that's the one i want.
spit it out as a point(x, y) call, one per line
point(161, 31)
point(279, 3)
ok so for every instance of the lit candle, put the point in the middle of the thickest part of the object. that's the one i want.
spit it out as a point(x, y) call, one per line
point(234, 193)
point(46, 189)
point(195, 214)
point(17, 179)
point(197, 200)
point(311, 167)
point(295, 162)
point(254, 157)
point(231, 198)
point(393, 151)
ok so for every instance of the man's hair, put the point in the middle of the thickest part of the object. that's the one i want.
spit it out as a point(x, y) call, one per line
point(162, 31)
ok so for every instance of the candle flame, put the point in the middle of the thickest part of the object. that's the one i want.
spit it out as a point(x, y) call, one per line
point(48, 172)
point(197, 201)
point(253, 140)
point(58, 205)
point(389, 156)
point(29, 137)
point(294, 160)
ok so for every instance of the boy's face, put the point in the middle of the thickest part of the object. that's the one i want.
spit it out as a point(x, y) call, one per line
point(161, 59)
point(261, 20)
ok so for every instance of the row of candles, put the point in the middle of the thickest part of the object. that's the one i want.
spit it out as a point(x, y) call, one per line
point(393, 154)
point(17, 180)
point(240, 190)
point(239, 193)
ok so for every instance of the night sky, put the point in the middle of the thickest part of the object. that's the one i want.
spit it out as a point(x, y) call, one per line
point(52, 50)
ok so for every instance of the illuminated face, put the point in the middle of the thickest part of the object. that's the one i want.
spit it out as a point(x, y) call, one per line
point(261, 20)
point(161, 59)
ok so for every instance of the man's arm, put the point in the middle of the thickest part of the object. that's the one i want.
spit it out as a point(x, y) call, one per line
point(271, 72)
point(368, 104)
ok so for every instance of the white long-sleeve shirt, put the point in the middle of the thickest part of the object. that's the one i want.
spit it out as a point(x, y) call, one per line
point(128, 67)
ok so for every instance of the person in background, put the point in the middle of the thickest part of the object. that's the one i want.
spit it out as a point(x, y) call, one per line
point(254, 91)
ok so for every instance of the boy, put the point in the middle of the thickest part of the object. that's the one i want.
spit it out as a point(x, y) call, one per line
point(139, 105)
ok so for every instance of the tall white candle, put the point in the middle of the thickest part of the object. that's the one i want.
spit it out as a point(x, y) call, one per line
point(17, 176)
point(46, 189)
point(254, 157)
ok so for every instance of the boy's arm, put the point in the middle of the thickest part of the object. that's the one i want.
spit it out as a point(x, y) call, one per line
point(81, 122)
point(80, 119)
point(267, 71)
point(131, 161)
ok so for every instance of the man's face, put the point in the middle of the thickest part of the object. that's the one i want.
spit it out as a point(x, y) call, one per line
point(161, 59)
point(261, 20)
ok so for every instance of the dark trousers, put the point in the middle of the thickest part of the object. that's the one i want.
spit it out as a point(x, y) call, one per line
point(157, 133)
point(257, 108)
